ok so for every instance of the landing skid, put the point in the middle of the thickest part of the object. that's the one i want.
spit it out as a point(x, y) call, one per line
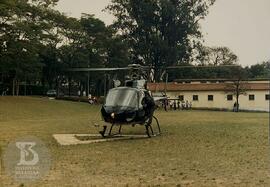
point(148, 126)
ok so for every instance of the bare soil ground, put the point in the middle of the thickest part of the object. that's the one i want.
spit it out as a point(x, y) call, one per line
point(197, 148)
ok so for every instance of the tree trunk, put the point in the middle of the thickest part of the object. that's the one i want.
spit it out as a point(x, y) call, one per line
point(25, 86)
point(17, 87)
point(69, 86)
point(43, 86)
point(237, 103)
point(237, 96)
point(13, 86)
point(57, 86)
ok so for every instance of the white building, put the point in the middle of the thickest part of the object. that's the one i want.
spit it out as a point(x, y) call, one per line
point(217, 94)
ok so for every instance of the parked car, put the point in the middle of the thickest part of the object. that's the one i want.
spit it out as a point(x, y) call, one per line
point(53, 93)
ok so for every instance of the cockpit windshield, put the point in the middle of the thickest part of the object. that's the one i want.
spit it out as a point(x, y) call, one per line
point(122, 98)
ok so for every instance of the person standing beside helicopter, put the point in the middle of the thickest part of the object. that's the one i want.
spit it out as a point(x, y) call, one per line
point(148, 106)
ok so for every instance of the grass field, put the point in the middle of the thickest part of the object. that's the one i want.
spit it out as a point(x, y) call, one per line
point(197, 148)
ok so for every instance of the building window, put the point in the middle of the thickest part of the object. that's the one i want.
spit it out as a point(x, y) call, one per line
point(229, 97)
point(210, 98)
point(267, 97)
point(251, 97)
point(195, 98)
point(181, 97)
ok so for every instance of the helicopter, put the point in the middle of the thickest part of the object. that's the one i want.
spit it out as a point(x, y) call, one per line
point(132, 104)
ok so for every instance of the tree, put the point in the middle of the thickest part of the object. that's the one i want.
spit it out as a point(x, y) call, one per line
point(24, 33)
point(89, 43)
point(239, 85)
point(261, 70)
point(118, 52)
point(160, 32)
point(216, 56)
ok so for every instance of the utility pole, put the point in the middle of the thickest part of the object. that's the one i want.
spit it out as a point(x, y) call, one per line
point(88, 83)
point(88, 80)
point(105, 85)
point(166, 84)
point(25, 85)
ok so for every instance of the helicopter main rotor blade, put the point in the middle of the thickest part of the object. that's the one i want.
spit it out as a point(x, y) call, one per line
point(130, 67)
point(95, 69)
point(140, 67)
point(183, 67)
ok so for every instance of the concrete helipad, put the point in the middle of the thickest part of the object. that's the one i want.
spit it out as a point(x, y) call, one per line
point(73, 139)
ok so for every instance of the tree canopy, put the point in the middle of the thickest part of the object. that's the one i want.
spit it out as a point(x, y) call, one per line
point(160, 32)
point(38, 43)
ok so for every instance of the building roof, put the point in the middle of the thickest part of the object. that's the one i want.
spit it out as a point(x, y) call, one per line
point(218, 80)
point(159, 87)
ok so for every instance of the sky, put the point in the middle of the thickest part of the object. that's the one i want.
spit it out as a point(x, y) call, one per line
point(241, 25)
